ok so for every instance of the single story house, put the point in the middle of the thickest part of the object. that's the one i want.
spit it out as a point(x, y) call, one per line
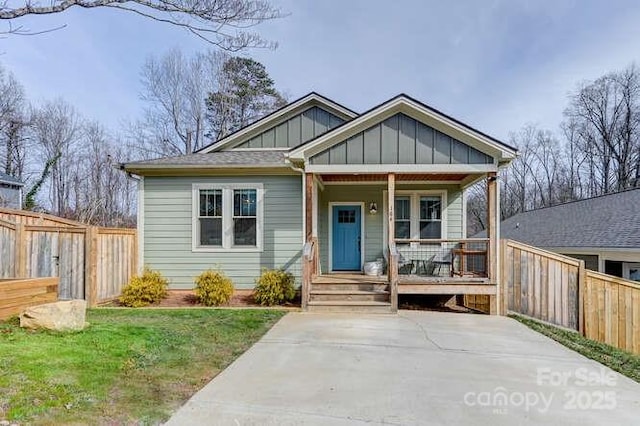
point(603, 231)
point(10, 191)
point(322, 191)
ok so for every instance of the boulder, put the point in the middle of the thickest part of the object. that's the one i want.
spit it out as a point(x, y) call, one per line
point(63, 316)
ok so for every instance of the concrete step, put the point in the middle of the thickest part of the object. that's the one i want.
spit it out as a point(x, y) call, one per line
point(349, 307)
point(349, 286)
point(350, 295)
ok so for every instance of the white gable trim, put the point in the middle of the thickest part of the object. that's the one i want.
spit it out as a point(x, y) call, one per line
point(411, 108)
point(283, 114)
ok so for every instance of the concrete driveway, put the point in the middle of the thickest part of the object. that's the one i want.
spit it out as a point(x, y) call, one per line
point(411, 368)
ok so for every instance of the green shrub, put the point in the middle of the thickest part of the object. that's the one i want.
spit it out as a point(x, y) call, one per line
point(142, 290)
point(213, 288)
point(274, 287)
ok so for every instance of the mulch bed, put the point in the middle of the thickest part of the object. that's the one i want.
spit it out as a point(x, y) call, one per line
point(187, 299)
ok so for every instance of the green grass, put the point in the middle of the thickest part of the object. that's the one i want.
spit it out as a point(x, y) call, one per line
point(128, 366)
point(621, 361)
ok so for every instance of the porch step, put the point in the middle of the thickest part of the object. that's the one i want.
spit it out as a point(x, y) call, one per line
point(349, 286)
point(349, 295)
point(349, 306)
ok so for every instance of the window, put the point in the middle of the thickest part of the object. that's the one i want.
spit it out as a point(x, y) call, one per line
point(244, 217)
point(403, 217)
point(210, 217)
point(227, 217)
point(419, 215)
point(430, 217)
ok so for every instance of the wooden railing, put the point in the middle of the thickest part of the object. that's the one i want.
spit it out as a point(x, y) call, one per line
point(310, 262)
point(392, 275)
point(467, 257)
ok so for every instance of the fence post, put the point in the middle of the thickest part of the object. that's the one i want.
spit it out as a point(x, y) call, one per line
point(21, 251)
point(582, 282)
point(91, 265)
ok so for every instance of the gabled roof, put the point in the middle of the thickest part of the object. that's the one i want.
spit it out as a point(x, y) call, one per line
point(5, 178)
point(278, 116)
point(407, 105)
point(607, 221)
point(213, 160)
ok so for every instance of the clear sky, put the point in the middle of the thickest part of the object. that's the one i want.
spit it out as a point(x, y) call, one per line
point(495, 64)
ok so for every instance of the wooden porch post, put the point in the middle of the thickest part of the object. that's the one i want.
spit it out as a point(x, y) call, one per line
point(308, 214)
point(492, 234)
point(392, 268)
point(391, 190)
point(308, 264)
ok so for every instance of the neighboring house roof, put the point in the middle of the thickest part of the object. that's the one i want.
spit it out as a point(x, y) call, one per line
point(221, 159)
point(611, 221)
point(270, 120)
point(5, 178)
point(407, 105)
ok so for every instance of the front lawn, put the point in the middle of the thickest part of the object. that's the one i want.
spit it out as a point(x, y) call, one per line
point(621, 361)
point(129, 366)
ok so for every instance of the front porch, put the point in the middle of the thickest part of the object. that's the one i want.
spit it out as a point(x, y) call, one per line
point(449, 264)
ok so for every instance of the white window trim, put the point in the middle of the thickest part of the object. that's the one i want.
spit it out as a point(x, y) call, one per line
point(415, 211)
point(227, 217)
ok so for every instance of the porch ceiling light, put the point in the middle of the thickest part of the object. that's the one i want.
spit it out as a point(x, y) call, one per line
point(373, 208)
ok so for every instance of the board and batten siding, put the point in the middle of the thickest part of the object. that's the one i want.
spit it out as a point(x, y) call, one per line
point(296, 130)
point(168, 221)
point(401, 140)
point(374, 224)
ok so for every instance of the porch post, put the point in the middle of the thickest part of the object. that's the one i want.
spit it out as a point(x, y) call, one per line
point(391, 190)
point(308, 214)
point(492, 234)
point(392, 267)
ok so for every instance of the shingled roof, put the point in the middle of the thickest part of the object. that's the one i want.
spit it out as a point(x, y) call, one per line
point(5, 178)
point(611, 221)
point(220, 159)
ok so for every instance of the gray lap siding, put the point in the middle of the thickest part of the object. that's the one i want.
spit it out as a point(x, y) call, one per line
point(168, 230)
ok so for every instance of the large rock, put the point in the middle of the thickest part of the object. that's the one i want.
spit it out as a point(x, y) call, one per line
point(64, 316)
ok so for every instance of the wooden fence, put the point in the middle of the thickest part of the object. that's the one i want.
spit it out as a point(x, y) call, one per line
point(15, 295)
point(559, 290)
point(612, 311)
point(92, 263)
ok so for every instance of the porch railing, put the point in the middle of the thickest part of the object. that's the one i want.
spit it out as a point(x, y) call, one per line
point(392, 275)
point(441, 258)
point(310, 262)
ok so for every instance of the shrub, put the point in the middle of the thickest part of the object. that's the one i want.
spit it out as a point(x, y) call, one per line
point(142, 290)
point(274, 287)
point(213, 288)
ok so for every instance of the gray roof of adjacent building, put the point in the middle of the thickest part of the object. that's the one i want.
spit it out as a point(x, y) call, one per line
point(606, 221)
point(5, 178)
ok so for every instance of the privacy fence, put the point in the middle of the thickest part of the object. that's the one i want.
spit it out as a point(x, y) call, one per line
point(92, 263)
point(559, 290)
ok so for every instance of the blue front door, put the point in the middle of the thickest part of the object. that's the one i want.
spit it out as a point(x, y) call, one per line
point(346, 238)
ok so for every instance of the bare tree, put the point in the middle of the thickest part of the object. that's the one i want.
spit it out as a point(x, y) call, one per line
point(606, 115)
point(174, 91)
point(55, 131)
point(101, 194)
point(13, 124)
point(223, 23)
